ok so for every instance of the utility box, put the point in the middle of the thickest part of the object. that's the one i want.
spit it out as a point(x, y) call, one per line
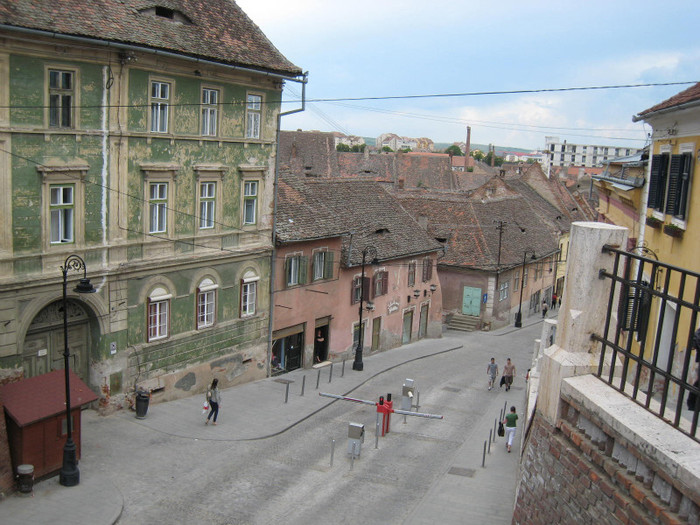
point(356, 436)
point(407, 393)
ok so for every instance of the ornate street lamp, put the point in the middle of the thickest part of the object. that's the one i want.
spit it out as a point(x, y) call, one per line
point(370, 252)
point(70, 475)
point(519, 315)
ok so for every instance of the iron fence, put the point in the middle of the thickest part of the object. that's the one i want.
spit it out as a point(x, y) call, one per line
point(649, 349)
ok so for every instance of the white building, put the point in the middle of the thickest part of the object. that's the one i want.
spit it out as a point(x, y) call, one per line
point(588, 155)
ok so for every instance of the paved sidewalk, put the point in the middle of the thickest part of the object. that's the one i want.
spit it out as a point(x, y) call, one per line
point(260, 412)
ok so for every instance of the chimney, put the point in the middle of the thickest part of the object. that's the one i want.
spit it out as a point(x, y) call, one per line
point(468, 146)
point(492, 150)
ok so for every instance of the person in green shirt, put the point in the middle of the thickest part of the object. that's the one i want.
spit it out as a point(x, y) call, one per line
point(509, 422)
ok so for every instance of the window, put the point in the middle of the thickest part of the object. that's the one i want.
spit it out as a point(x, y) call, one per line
point(503, 291)
point(158, 314)
point(61, 96)
point(516, 281)
point(206, 303)
point(411, 274)
point(160, 98)
point(360, 290)
point(381, 283)
point(62, 208)
point(248, 297)
point(250, 201)
point(253, 116)
point(669, 183)
point(207, 203)
point(295, 270)
point(323, 265)
point(210, 101)
point(427, 269)
point(525, 277)
point(158, 207)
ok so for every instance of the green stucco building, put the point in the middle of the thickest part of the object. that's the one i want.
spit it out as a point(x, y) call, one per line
point(140, 136)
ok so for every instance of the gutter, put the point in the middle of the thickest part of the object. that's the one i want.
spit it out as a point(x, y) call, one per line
point(273, 256)
point(679, 107)
point(154, 51)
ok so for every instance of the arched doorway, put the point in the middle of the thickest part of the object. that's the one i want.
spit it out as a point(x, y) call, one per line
point(43, 344)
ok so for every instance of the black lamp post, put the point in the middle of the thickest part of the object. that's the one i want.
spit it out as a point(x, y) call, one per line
point(371, 252)
point(519, 315)
point(70, 475)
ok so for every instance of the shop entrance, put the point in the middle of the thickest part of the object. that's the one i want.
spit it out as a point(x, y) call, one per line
point(287, 349)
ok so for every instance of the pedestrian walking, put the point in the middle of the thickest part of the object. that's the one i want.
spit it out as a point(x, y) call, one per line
point(554, 301)
point(508, 373)
point(214, 399)
point(509, 422)
point(545, 307)
point(492, 372)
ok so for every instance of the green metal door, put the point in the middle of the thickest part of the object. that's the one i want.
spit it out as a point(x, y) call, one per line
point(471, 301)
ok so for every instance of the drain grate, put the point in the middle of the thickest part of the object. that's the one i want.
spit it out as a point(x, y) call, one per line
point(459, 471)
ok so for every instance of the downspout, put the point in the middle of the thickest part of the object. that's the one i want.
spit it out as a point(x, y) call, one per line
point(273, 256)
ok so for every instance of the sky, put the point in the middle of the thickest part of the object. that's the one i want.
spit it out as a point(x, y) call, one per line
point(391, 48)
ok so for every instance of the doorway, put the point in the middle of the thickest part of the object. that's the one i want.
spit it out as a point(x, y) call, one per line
point(321, 344)
point(471, 301)
point(407, 327)
point(44, 342)
point(423, 321)
point(287, 349)
point(376, 331)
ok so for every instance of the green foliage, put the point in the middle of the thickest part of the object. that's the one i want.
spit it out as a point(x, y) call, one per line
point(405, 150)
point(454, 150)
point(342, 147)
point(358, 148)
point(387, 149)
point(477, 155)
point(498, 161)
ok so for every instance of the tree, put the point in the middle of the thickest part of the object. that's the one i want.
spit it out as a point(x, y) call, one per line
point(477, 155)
point(498, 161)
point(358, 148)
point(405, 150)
point(387, 149)
point(342, 147)
point(454, 150)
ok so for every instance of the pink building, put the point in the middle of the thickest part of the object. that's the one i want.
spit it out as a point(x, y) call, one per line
point(323, 230)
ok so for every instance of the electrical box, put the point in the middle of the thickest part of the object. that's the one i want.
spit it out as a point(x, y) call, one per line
point(407, 393)
point(356, 436)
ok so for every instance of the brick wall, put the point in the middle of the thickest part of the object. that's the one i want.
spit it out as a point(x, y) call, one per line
point(580, 472)
point(7, 478)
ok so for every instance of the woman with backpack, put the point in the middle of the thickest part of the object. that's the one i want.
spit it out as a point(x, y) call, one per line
point(214, 399)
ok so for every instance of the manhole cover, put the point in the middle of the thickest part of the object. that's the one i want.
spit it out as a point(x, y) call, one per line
point(459, 471)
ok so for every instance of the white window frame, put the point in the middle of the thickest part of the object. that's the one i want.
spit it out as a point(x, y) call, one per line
point(159, 96)
point(319, 265)
point(158, 315)
point(61, 175)
point(210, 111)
point(503, 290)
point(206, 303)
point(207, 204)
point(158, 207)
point(293, 270)
point(249, 289)
point(253, 119)
point(250, 202)
point(62, 214)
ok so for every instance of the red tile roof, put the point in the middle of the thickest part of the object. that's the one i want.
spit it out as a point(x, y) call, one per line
point(39, 397)
point(216, 30)
point(691, 94)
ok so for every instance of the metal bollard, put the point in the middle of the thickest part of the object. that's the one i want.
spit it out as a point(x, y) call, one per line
point(303, 385)
point(417, 400)
point(332, 450)
point(505, 404)
point(330, 373)
point(490, 434)
point(342, 370)
point(483, 458)
point(318, 378)
point(376, 433)
point(495, 425)
point(286, 393)
point(352, 461)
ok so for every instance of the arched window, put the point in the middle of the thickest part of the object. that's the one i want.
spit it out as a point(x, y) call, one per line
point(249, 293)
point(158, 314)
point(206, 303)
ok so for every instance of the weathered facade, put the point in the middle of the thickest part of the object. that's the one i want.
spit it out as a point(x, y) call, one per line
point(142, 139)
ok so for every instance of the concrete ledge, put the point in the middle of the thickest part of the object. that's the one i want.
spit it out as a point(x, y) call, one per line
point(674, 452)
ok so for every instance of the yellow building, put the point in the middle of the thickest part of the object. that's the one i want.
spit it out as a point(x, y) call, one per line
point(672, 226)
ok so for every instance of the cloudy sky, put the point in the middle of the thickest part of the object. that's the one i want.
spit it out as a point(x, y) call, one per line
point(391, 48)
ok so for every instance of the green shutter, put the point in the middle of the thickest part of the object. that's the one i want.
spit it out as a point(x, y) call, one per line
point(328, 270)
point(303, 269)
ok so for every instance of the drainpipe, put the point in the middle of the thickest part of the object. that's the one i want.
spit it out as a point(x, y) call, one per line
point(273, 256)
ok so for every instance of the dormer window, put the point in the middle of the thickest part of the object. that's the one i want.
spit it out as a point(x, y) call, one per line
point(165, 12)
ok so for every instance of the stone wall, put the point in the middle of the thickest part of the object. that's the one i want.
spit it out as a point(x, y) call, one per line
point(583, 470)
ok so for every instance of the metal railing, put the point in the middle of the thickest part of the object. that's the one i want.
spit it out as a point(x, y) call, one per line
point(647, 343)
